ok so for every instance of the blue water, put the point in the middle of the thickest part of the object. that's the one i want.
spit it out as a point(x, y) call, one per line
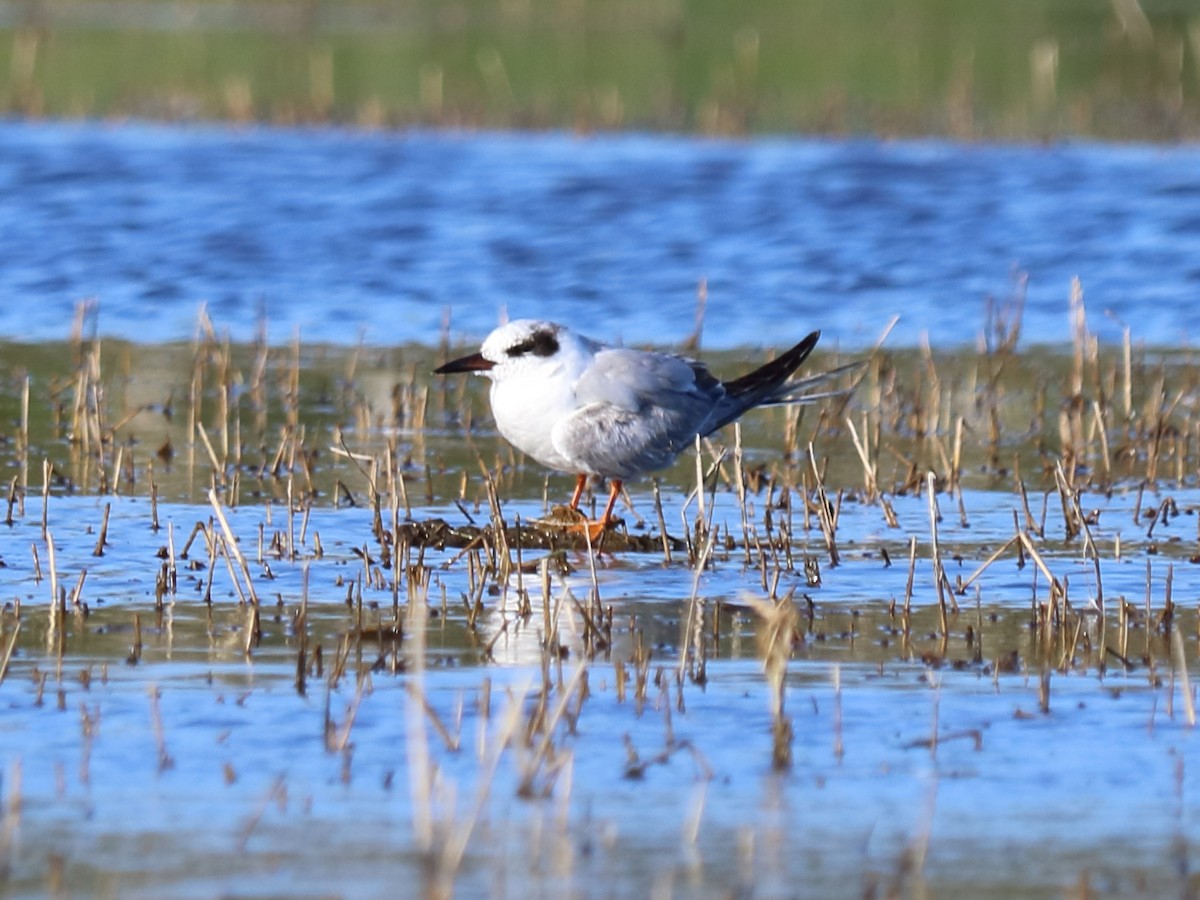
point(352, 236)
point(1013, 801)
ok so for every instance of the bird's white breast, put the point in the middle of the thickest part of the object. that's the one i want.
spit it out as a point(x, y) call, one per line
point(528, 403)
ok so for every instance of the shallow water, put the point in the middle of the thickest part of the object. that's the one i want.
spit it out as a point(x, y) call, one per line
point(348, 235)
point(242, 788)
point(575, 739)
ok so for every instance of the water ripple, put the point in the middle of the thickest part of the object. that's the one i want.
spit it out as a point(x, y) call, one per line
point(345, 234)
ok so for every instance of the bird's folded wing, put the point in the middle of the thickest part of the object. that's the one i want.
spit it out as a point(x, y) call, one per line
point(635, 379)
point(638, 411)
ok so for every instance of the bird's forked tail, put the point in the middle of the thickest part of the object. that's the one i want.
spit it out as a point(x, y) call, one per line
point(772, 384)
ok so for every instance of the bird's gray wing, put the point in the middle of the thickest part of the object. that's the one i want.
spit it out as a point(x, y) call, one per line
point(637, 412)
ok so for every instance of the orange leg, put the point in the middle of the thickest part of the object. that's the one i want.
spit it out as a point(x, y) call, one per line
point(614, 491)
point(580, 484)
point(597, 528)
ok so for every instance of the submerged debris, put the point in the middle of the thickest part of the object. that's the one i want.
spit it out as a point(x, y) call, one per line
point(538, 534)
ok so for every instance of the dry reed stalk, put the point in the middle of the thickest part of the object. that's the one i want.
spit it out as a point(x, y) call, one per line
point(76, 600)
point(232, 548)
point(977, 657)
point(291, 394)
point(1040, 527)
point(95, 431)
point(1089, 549)
point(23, 431)
point(591, 557)
point(933, 406)
point(939, 574)
point(197, 529)
point(47, 472)
point(253, 630)
point(218, 470)
point(89, 726)
point(544, 572)
point(1030, 523)
point(1056, 588)
point(1067, 495)
point(1102, 431)
point(53, 576)
point(12, 499)
point(532, 767)
point(452, 742)
point(8, 651)
point(403, 489)
point(1127, 371)
point(279, 460)
point(870, 468)
point(594, 639)
point(889, 512)
point(1070, 648)
point(824, 515)
point(1179, 657)
point(912, 571)
point(165, 761)
point(988, 562)
point(102, 539)
point(337, 737)
point(739, 464)
point(455, 839)
point(23, 451)
point(690, 831)
point(1123, 621)
point(779, 623)
point(291, 520)
point(154, 526)
point(275, 793)
point(693, 628)
point(135, 649)
point(221, 550)
point(111, 485)
point(224, 386)
point(499, 529)
point(396, 549)
point(550, 645)
point(956, 457)
point(662, 523)
point(1079, 335)
point(786, 530)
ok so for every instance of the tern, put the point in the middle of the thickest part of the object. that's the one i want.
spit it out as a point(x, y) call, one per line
point(581, 406)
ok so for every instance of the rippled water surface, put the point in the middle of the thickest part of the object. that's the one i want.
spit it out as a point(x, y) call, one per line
point(347, 234)
point(162, 751)
point(330, 693)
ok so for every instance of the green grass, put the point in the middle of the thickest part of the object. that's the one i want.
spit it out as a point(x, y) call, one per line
point(828, 66)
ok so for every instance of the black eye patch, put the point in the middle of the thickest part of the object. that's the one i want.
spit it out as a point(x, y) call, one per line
point(540, 343)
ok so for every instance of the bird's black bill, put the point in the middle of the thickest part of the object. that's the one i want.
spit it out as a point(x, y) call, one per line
point(476, 362)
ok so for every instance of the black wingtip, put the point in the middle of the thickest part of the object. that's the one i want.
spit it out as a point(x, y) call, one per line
point(776, 372)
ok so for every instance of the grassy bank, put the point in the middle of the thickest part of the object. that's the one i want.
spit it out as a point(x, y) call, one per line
point(1012, 70)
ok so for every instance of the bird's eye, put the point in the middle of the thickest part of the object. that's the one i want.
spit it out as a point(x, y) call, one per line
point(540, 343)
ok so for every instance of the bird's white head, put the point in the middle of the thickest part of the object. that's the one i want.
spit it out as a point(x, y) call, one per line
point(522, 346)
point(522, 342)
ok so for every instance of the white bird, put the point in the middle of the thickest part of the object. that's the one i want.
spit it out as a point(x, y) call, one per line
point(581, 406)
